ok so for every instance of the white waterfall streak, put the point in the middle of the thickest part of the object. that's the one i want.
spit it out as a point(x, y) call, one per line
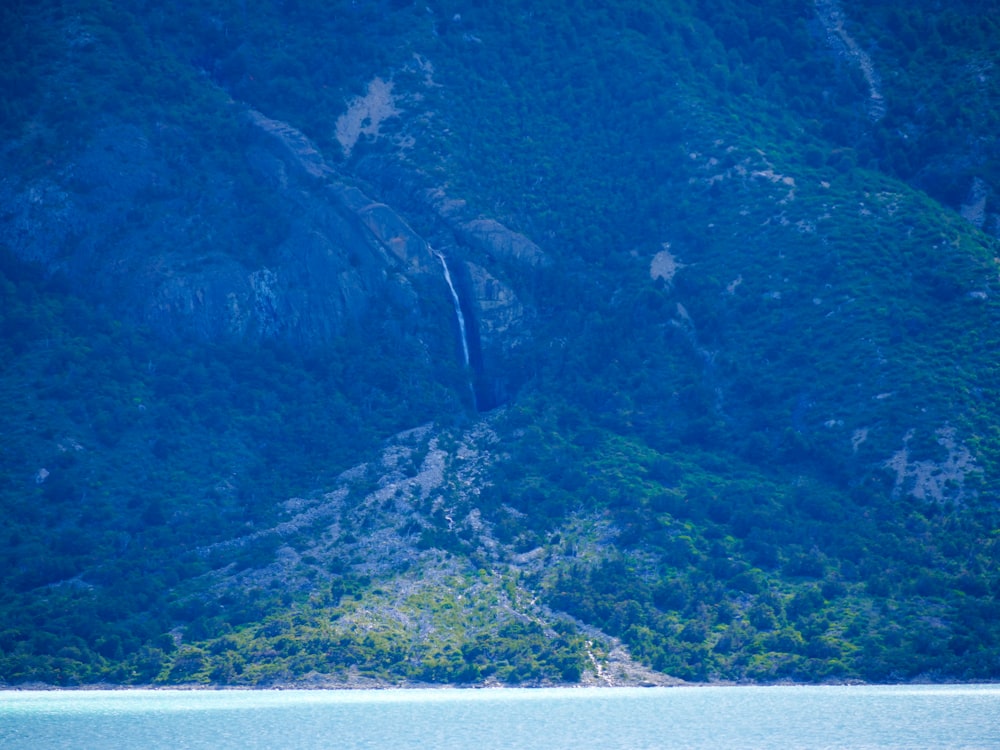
point(458, 305)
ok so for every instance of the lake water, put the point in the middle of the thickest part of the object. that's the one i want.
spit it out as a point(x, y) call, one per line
point(692, 717)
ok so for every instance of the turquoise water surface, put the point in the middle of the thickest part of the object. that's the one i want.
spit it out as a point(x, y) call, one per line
point(690, 717)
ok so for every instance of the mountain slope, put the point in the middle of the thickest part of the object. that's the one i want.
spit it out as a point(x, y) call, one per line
point(714, 380)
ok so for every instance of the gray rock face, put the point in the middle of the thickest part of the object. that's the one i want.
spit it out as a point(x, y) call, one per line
point(490, 261)
point(502, 324)
point(63, 218)
point(273, 245)
point(500, 313)
point(191, 252)
point(494, 239)
point(387, 228)
point(294, 148)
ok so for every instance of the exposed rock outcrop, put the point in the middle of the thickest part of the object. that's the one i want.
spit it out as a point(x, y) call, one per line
point(494, 239)
point(496, 262)
point(831, 16)
point(387, 228)
point(196, 251)
point(300, 152)
point(938, 481)
point(499, 312)
point(973, 209)
point(282, 246)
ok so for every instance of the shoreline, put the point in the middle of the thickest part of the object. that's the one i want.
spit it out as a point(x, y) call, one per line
point(340, 685)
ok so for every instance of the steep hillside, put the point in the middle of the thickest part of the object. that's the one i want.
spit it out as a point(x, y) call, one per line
point(376, 341)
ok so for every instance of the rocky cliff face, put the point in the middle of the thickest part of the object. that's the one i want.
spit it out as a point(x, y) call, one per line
point(278, 245)
point(497, 322)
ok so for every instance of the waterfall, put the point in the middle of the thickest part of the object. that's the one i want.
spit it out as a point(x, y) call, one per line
point(458, 306)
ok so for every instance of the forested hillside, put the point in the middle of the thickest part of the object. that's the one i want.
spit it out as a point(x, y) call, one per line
point(374, 342)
